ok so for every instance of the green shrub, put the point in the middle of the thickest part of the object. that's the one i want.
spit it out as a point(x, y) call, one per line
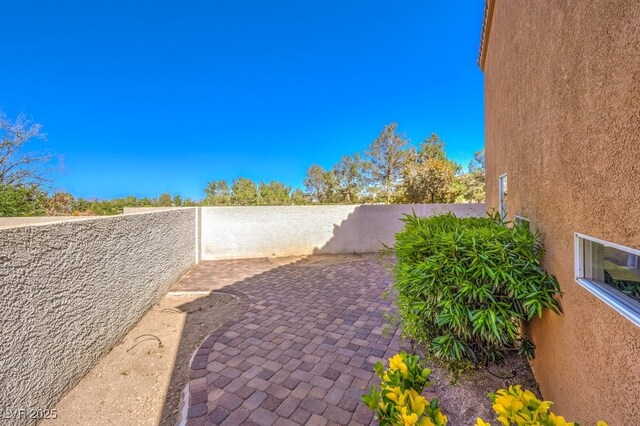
point(22, 201)
point(398, 400)
point(465, 284)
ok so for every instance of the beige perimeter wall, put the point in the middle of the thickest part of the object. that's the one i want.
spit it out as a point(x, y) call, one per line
point(70, 291)
point(562, 84)
point(245, 232)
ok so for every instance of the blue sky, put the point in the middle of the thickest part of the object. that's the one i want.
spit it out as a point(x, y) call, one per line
point(141, 97)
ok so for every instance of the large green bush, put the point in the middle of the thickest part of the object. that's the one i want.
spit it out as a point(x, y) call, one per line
point(464, 285)
point(22, 201)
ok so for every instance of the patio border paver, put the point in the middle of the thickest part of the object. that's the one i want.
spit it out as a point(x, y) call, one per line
point(300, 350)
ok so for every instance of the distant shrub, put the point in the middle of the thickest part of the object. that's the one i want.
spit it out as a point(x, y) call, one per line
point(465, 284)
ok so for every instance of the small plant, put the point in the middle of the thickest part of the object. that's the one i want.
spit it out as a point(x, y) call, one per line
point(398, 400)
point(464, 285)
point(517, 407)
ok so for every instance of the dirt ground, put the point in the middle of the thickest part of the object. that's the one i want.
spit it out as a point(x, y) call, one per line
point(466, 399)
point(141, 381)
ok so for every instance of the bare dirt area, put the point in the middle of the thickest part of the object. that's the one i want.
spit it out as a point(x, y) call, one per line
point(141, 381)
point(466, 399)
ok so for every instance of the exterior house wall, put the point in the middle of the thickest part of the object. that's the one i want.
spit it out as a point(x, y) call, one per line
point(246, 232)
point(69, 292)
point(562, 106)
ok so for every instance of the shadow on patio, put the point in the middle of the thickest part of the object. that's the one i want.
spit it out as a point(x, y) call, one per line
point(302, 349)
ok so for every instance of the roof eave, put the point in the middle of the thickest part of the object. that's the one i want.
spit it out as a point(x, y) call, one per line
point(489, 6)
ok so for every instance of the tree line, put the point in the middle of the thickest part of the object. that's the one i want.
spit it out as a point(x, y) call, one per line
point(390, 170)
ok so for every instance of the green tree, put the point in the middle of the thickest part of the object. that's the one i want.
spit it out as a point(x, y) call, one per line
point(387, 156)
point(299, 197)
point(105, 207)
point(217, 193)
point(430, 177)
point(274, 194)
point(244, 192)
point(145, 202)
point(129, 201)
point(349, 178)
point(82, 207)
point(432, 148)
point(320, 184)
point(22, 201)
point(472, 184)
point(477, 165)
point(177, 201)
point(164, 200)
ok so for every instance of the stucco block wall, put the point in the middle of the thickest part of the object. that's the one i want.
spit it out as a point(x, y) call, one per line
point(10, 222)
point(247, 232)
point(562, 98)
point(70, 291)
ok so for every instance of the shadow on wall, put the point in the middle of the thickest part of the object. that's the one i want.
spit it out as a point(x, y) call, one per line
point(370, 227)
point(277, 231)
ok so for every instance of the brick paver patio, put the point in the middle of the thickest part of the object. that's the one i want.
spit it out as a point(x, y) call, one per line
point(303, 349)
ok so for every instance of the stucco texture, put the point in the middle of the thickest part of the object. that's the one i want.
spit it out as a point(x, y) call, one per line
point(562, 105)
point(70, 291)
point(250, 232)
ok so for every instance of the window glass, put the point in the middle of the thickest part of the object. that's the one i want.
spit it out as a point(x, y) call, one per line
point(502, 182)
point(611, 272)
point(616, 268)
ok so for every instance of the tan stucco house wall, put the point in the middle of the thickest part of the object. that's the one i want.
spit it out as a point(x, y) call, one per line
point(562, 111)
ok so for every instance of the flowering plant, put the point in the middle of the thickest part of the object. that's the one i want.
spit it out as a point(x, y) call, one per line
point(398, 400)
point(515, 406)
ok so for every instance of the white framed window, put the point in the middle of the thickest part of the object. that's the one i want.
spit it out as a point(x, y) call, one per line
point(502, 194)
point(611, 272)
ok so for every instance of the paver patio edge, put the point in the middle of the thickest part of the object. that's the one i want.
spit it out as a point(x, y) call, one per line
point(243, 308)
point(301, 349)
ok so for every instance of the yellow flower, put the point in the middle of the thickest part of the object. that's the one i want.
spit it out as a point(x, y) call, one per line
point(394, 360)
point(528, 396)
point(480, 422)
point(499, 408)
point(601, 423)
point(397, 396)
point(409, 419)
point(559, 420)
point(504, 420)
point(516, 405)
point(543, 408)
point(397, 363)
point(441, 419)
point(426, 421)
point(521, 420)
point(417, 402)
point(394, 389)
